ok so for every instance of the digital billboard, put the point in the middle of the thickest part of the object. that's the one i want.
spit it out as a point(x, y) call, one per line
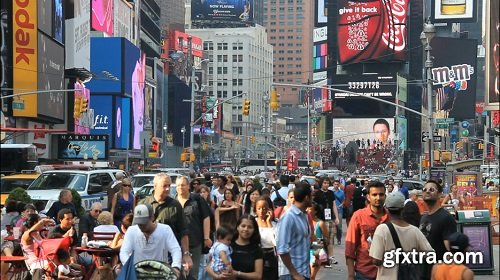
point(58, 19)
point(492, 94)
point(322, 99)
point(122, 19)
point(51, 76)
point(138, 77)
point(454, 75)
point(355, 105)
point(122, 123)
point(77, 35)
point(177, 117)
point(222, 10)
point(134, 68)
point(44, 15)
point(24, 53)
point(321, 14)
point(371, 131)
point(454, 10)
point(102, 16)
point(372, 30)
point(102, 122)
point(105, 61)
point(82, 147)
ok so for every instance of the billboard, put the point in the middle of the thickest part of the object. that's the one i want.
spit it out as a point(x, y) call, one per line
point(134, 68)
point(24, 52)
point(372, 30)
point(58, 19)
point(44, 15)
point(321, 14)
point(77, 34)
point(82, 147)
point(454, 10)
point(83, 122)
point(105, 61)
point(492, 94)
point(454, 77)
point(122, 19)
point(370, 131)
point(51, 76)
point(138, 77)
point(102, 16)
point(322, 99)
point(355, 105)
point(122, 123)
point(225, 10)
point(196, 43)
point(102, 122)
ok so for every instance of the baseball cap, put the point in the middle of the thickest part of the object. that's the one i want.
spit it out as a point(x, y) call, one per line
point(142, 214)
point(458, 242)
point(395, 200)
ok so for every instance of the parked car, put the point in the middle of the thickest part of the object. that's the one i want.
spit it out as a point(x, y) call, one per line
point(413, 184)
point(144, 191)
point(21, 180)
point(142, 179)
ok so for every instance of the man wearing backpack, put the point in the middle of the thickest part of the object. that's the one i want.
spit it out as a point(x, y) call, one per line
point(282, 189)
point(403, 235)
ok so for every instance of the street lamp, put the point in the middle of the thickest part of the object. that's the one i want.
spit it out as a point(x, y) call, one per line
point(426, 36)
point(183, 131)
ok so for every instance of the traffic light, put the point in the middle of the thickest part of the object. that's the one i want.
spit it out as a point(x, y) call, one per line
point(246, 107)
point(84, 105)
point(480, 146)
point(76, 108)
point(252, 139)
point(184, 157)
point(464, 129)
point(275, 102)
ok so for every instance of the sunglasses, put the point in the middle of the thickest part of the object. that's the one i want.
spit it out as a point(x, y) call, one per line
point(428, 189)
point(126, 185)
point(98, 211)
point(196, 183)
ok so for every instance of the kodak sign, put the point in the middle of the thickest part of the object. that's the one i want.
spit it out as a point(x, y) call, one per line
point(24, 58)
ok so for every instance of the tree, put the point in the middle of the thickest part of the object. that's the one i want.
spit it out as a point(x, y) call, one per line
point(19, 194)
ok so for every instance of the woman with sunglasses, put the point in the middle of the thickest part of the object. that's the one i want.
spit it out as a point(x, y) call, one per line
point(194, 186)
point(123, 202)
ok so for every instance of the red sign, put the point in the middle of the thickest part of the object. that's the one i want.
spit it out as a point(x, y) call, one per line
point(292, 159)
point(372, 30)
point(196, 43)
point(495, 118)
point(479, 107)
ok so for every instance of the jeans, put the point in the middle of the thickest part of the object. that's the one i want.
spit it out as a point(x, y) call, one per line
point(360, 276)
point(202, 274)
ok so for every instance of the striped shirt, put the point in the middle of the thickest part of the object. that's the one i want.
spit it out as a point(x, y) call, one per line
point(294, 238)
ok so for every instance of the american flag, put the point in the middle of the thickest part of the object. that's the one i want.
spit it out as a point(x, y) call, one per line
point(440, 98)
point(306, 97)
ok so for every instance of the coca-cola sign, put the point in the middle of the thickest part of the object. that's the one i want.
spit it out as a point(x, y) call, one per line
point(372, 30)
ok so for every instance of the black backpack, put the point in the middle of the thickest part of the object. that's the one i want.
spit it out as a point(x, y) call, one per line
point(279, 201)
point(406, 271)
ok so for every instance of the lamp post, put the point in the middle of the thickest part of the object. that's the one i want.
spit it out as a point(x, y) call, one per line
point(183, 131)
point(164, 145)
point(426, 36)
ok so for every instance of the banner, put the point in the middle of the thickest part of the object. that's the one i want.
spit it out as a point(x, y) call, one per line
point(292, 161)
point(82, 147)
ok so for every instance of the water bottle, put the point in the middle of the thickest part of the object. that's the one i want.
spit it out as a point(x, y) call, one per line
point(85, 240)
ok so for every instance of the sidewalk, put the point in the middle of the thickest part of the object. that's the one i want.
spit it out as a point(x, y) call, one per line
point(339, 271)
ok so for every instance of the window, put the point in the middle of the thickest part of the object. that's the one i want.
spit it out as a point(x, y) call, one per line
point(222, 46)
point(208, 45)
point(210, 70)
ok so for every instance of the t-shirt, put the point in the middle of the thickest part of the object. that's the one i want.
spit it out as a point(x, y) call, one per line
point(410, 238)
point(218, 266)
point(244, 257)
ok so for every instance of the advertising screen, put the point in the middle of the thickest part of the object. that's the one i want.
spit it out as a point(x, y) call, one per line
point(82, 147)
point(51, 76)
point(454, 77)
point(467, 182)
point(45, 18)
point(480, 241)
point(103, 62)
point(177, 117)
point(137, 79)
point(122, 19)
point(322, 99)
point(77, 34)
point(354, 105)
point(102, 122)
point(102, 16)
point(372, 30)
point(371, 131)
point(58, 19)
point(492, 94)
point(321, 12)
point(225, 10)
point(134, 68)
point(122, 123)
point(454, 11)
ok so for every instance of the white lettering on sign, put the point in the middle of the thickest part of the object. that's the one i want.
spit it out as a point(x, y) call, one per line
point(444, 75)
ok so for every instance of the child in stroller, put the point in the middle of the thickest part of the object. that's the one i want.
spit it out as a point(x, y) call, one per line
point(66, 270)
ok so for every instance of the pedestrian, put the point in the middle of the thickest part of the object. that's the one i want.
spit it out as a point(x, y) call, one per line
point(280, 211)
point(114, 187)
point(409, 237)
point(294, 236)
point(228, 211)
point(267, 229)
point(249, 203)
point(320, 235)
point(123, 202)
point(148, 239)
point(197, 216)
point(349, 193)
point(65, 201)
point(169, 211)
point(437, 225)
point(458, 243)
point(360, 234)
point(339, 201)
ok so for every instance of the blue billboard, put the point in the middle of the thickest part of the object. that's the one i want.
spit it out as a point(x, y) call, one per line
point(122, 123)
point(222, 10)
point(82, 147)
point(106, 64)
point(133, 70)
point(102, 122)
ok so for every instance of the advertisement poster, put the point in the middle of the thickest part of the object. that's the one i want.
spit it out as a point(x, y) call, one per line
point(137, 83)
point(58, 20)
point(468, 182)
point(102, 16)
point(452, 11)
point(402, 131)
point(321, 12)
point(292, 159)
point(369, 132)
point(372, 30)
point(454, 77)
point(82, 147)
point(102, 122)
point(222, 10)
point(322, 100)
point(479, 242)
point(492, 94)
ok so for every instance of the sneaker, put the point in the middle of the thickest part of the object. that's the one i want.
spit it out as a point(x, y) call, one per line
point(333, 260)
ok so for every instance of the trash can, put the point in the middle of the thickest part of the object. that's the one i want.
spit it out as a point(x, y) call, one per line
point(476, 224)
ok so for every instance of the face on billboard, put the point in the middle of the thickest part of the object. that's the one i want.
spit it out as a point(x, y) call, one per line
point(51, 76)
point(102, 16)
point(226, 10)
point(372, 131)
point(372, 30)
point(58, 20)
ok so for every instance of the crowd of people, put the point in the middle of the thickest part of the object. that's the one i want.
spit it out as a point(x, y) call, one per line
point(217, 227)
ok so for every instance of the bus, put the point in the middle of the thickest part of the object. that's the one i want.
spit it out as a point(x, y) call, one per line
point(17, 157)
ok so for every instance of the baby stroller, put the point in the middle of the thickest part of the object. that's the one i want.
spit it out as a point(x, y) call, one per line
point(47, 250)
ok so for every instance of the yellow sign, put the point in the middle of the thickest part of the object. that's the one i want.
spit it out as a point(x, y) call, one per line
point(24, 56)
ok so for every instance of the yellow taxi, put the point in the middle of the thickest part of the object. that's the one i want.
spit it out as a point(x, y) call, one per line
point(10, 182)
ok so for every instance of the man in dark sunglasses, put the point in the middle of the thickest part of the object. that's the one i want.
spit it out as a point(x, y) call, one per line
point(88, 222)
point(438, 224)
